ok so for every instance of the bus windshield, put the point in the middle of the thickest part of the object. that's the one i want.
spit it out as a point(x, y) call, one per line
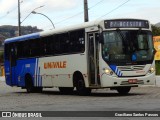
point(127, 46)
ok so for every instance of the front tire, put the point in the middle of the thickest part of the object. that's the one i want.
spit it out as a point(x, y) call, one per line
point(123, 90)
point(80, 87)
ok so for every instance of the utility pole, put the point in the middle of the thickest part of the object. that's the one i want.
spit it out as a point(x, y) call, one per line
point(19, 17)
point(86, 19)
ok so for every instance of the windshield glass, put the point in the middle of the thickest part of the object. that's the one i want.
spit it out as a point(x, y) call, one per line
point(127, 46)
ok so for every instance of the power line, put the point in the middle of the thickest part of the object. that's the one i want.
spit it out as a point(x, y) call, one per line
point(79, 12)
point(10, 11)
point(69, 17)
point(93, 7)
point(95, 4)
point(115, 9)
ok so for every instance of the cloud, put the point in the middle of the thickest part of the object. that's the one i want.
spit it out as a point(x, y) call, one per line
point(6, 6)
point(50, 5)
point(29, 5)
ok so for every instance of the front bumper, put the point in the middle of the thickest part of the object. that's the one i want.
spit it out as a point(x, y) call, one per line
point(109, 81)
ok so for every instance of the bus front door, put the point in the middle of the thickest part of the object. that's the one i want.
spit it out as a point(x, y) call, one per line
point(93, 59)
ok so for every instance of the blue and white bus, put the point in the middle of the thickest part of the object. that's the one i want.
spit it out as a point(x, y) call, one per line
point(114, 53)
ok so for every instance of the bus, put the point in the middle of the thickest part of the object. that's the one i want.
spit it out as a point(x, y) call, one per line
point(114, 53)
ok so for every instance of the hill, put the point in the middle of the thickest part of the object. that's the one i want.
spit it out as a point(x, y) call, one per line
point(157, 25)
point(8, 31)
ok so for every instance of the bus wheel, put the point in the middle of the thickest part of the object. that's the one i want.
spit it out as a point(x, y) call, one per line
point(29, 84)
point(123, 90)
point(66, 90)
point(81, 89)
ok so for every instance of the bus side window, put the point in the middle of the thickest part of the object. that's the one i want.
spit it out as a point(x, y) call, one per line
point(23, 49)
point(35, 48)
point(77, 41)
point(7, 51)
point(43, 46)
point(64, 43)
point(46, 45)
point(56, 44)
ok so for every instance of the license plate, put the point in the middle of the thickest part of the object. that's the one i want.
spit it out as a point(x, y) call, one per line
point(132, 81)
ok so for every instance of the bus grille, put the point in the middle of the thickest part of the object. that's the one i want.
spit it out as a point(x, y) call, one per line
point(131, 67)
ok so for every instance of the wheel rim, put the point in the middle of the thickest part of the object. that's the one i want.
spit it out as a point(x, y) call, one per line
point(80, 84)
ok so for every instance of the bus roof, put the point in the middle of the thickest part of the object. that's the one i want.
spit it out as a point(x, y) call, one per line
point(22, 38)
point(50, 32)
point(59, 30)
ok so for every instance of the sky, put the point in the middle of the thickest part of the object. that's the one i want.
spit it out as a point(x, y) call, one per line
point(70, 12)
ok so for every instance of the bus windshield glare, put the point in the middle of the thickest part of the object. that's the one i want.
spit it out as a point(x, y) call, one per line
point(127, 46)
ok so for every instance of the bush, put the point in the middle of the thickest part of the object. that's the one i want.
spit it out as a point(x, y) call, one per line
point(157, 66)
point(1, 56)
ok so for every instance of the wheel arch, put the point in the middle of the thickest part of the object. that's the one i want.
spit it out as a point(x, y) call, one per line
point(28, 75)
point(76, 75)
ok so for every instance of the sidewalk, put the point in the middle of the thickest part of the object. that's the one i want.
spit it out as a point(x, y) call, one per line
point(158, 81)
point(2, 78)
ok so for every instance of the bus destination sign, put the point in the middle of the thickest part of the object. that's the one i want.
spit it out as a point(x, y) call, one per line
point(126, 24)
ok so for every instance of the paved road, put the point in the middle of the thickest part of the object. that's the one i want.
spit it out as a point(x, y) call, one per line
point(142, 99)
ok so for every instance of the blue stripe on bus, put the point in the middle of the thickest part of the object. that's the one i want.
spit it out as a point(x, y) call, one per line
point(116, 70)
point(36, 73)
point(38, 78)
point(22, 38)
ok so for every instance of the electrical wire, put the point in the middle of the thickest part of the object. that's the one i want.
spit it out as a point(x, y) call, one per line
point(95, 4)
point(79, 13)
point(93, 7)
point(115, 9)
point(10, 11)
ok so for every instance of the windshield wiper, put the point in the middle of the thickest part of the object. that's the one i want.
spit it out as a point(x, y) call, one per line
point(120, 33)
point(124, 40)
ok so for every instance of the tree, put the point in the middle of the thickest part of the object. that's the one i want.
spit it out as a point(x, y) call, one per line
point(155, 30)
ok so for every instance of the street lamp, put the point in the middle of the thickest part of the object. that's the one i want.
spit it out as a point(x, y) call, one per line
point(19, 17)
point(31, 12)
point(45, 16)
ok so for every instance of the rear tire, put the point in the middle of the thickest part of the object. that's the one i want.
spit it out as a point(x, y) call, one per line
point(123, 90)
point(29, 85)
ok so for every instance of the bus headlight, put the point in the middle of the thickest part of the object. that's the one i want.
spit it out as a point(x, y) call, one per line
point(152, 69)
point(108, 71)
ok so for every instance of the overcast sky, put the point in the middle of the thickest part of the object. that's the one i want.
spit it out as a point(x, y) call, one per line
point(70, 12)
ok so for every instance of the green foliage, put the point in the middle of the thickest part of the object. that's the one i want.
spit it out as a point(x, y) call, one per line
point(1, 56)
point(155, 30)
point(157, 67)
